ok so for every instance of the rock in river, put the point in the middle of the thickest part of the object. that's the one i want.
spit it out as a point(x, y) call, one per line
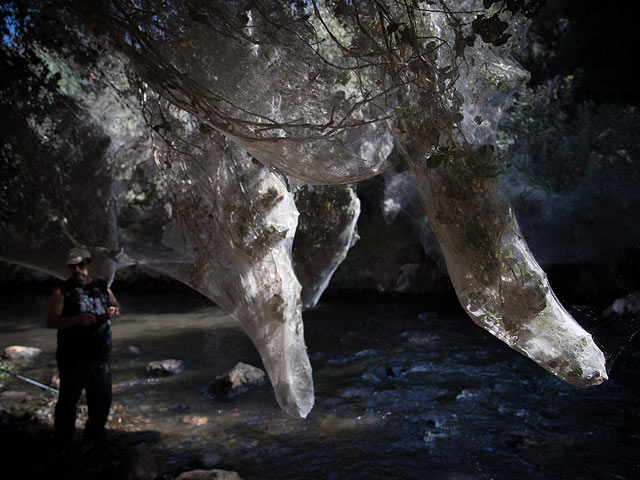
point(238, 380)
point(209, 475)
point(164, 368)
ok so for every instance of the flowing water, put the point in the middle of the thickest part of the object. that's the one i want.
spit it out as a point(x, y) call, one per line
point(405, 389)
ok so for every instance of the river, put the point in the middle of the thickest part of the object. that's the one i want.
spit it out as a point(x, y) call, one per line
point(405, 389)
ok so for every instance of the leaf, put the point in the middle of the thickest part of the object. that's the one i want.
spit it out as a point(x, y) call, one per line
point(483, 161)
point(484, 151)
point(458, 154)
point(435, 160)
point(501, 40)
point(491, 30)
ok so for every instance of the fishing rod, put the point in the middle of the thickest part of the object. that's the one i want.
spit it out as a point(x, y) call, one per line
point(32, 382)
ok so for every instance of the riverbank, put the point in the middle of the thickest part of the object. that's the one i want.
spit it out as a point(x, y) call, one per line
point(29, 451)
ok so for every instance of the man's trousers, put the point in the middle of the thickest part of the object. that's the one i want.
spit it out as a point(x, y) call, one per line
point(95, 378)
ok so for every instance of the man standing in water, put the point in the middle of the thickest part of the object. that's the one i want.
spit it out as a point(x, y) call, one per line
point(81, 309)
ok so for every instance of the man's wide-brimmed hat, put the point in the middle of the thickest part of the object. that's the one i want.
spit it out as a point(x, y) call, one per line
point(77, 255)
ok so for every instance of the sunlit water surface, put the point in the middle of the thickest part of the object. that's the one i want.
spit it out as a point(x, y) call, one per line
point(406, 390)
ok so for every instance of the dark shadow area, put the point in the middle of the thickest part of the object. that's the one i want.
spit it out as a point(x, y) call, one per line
point(616, 334)
point(591, 40)
point(584, 284)
point(29, 451)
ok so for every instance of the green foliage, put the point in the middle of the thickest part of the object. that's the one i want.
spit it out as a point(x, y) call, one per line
point(570, 125)
point(482, 160)
point(4, 376)
point(493, 29)
point(444, 154)
point(557, 141)
point(594, 41)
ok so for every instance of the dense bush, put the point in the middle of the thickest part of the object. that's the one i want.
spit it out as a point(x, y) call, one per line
point(558, 142)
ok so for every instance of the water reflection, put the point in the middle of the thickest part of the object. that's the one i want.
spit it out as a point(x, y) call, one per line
point(403, 390)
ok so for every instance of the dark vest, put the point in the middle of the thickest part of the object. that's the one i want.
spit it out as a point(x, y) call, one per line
point(85, 342)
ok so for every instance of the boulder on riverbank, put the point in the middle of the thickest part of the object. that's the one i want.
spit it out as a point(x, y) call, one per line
point(21, 355)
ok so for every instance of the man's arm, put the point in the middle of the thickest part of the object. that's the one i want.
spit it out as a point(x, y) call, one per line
point(114, 306)
point(54, 320)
